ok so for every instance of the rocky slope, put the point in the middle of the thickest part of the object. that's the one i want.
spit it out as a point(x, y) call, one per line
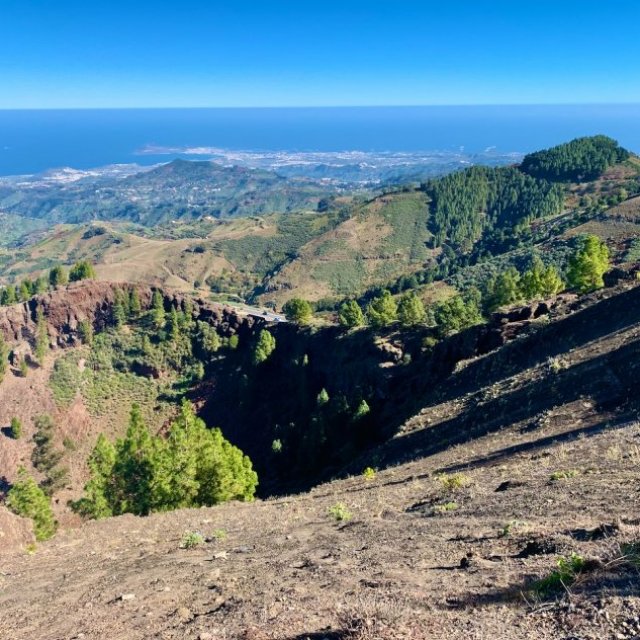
point(520, 456)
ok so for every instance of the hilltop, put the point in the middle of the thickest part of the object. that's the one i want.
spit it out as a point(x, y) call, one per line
point(176, 190)
point(460, 228)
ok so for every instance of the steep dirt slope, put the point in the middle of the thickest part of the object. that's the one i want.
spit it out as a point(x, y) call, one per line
point(545, 434)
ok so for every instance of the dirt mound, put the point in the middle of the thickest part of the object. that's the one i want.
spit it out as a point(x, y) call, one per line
point(14, 531)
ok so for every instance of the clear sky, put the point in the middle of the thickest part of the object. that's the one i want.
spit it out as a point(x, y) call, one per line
point(138, 53)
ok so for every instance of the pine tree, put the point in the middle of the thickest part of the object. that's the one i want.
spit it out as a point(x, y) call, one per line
point(411, 311)
point(40, 286)
point(133, 469)
point(97, 499)
point(158, 315)
point(193, 466)
point(85, 331)
point(265, 346)
point(382, 311)
point(42, 336)
point(588, 266)
point(134, 303)
point(174, 324)
point(297, 310)
point(208, 339)
point(552, 282)
point(8, 296)
point(540, 281)
point(26, 499)
point(119, 315)
point(455, 315)
point(350, 314)
point(504, 290)
point(58, 276)
point(4, 357)
point(362, 410)
point(323, 398)
point(25, 291)
point(187, 316)
point(45, 457)
point(82, 270)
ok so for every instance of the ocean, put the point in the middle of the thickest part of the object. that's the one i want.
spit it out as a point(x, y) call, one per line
point(32, 141)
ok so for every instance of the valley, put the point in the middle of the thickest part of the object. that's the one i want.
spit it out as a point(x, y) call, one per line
point(432, 433)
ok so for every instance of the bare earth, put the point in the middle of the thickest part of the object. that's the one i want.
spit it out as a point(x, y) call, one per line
point(286, 569)
point(549, 448)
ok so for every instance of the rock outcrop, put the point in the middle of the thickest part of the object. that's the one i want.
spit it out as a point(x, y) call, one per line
point(64, 308)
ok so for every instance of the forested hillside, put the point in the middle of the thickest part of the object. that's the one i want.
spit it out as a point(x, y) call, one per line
point(469, 203)
point(579, 160)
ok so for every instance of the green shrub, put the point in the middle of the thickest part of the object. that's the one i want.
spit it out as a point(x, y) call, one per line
point(563, 475)
point(382, 311)
point(15, 428)
point(28, 500)
point(82, 270)
point(350, 314)
point(369, 473)
point(446, 507)
point(265, 346)
point(191, 540)
point(454, 482)
point(323, 398)
point(564, 576)
point(588, 265)
point(411, 311)
point(339, 512)
point(297, 310)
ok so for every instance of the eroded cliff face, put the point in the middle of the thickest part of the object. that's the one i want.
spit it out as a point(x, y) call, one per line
point(65, 307)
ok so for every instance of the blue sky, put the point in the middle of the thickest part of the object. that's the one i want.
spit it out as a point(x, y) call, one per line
point(100, 53)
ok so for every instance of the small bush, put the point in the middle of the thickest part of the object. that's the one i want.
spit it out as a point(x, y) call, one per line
point(444, 508)
point(564, 576)
point(563, 475)
point(556, 364)
point(339, 512)
point(369, 473)
point(28, 500)
point(506, 531)
point(454, 482)
point(191, 539)
point(219, 534)
point(15, 428)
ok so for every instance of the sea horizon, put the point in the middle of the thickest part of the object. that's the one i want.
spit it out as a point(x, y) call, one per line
point(35, 140)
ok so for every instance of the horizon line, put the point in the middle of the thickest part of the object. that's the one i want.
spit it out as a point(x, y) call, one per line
point(353, 106)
